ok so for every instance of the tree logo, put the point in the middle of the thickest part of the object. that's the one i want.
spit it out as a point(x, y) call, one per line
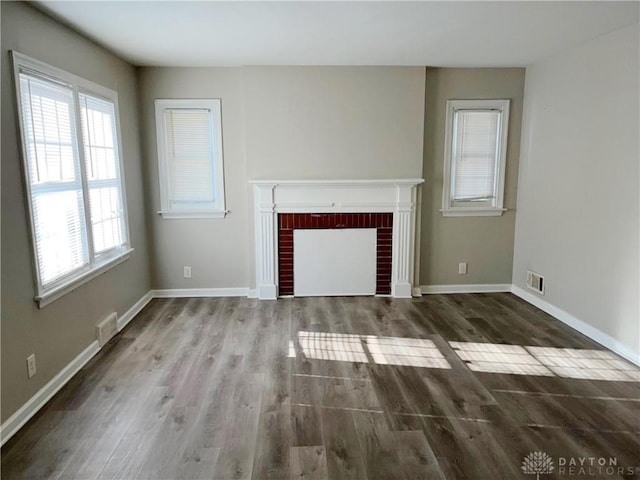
point(537, 463)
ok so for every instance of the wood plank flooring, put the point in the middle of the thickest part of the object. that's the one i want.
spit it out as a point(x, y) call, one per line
point(440, 387)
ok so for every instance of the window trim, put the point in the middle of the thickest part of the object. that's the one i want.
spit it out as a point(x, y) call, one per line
point(214, 105)
point(454, 209)
point(98, 263)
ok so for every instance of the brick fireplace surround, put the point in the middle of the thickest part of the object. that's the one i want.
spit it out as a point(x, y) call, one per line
point(282, 206)
point(288, 222)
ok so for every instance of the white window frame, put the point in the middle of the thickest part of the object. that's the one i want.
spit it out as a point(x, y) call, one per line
point(167, 210)
point(103, 261)
point(451, 208)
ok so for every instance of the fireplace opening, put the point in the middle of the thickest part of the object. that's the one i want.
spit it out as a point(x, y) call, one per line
point(289, 222)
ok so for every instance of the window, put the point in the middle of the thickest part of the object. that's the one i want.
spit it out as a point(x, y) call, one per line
point(475, 152)
point(73, 176)
point(190, 158)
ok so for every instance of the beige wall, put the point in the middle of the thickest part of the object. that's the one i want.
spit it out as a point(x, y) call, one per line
point(279, 123)
point(578, 212)
point(63, 329)
point(334, 122)
point(485, 243)
point(216, 249)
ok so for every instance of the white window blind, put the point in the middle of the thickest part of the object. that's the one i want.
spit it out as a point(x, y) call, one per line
point(475, 162)
point(55, 181)
point(73, 176)
point(103, 172)
point(189, 135)
point(190, 156)
point(475, 157)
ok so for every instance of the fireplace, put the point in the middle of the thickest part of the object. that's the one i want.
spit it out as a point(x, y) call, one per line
point(281, 207)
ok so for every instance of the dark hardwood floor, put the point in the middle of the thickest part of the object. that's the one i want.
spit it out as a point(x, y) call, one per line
point(441, 387)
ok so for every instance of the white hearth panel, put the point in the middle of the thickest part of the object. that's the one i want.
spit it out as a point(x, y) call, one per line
point(334, 262)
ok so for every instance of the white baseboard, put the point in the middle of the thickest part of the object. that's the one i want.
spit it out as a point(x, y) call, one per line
point(200, 292)
point(35, 403)
point(134, 310)
point(479, 288)
point(579, 325)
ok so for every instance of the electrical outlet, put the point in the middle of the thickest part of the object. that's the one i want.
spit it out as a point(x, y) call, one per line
point(187, 272)
point(31, 365)
point(462, 268)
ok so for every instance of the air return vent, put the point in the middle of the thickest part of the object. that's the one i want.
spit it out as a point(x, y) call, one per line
point(107, 328)
point(535, 282)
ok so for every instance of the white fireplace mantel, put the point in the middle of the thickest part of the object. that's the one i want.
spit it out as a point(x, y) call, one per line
point(397, 196)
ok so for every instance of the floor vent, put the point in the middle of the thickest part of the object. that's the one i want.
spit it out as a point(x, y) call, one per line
point(107, 328)
point(535, 282)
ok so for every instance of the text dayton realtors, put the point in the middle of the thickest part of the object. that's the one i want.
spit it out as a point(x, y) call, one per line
point(593, 466)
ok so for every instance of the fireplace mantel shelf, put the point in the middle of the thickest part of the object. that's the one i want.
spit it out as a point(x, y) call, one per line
point(341, 182)
point(397, 196)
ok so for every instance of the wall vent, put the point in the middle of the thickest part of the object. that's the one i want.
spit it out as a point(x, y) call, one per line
point(535, 282)
point(106, 329)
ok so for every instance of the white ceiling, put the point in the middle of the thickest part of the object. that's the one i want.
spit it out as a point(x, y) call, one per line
point(436, 33)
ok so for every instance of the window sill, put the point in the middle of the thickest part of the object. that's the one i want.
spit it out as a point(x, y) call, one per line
point(61, 290)
point(472, 212)
point(172, 215)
